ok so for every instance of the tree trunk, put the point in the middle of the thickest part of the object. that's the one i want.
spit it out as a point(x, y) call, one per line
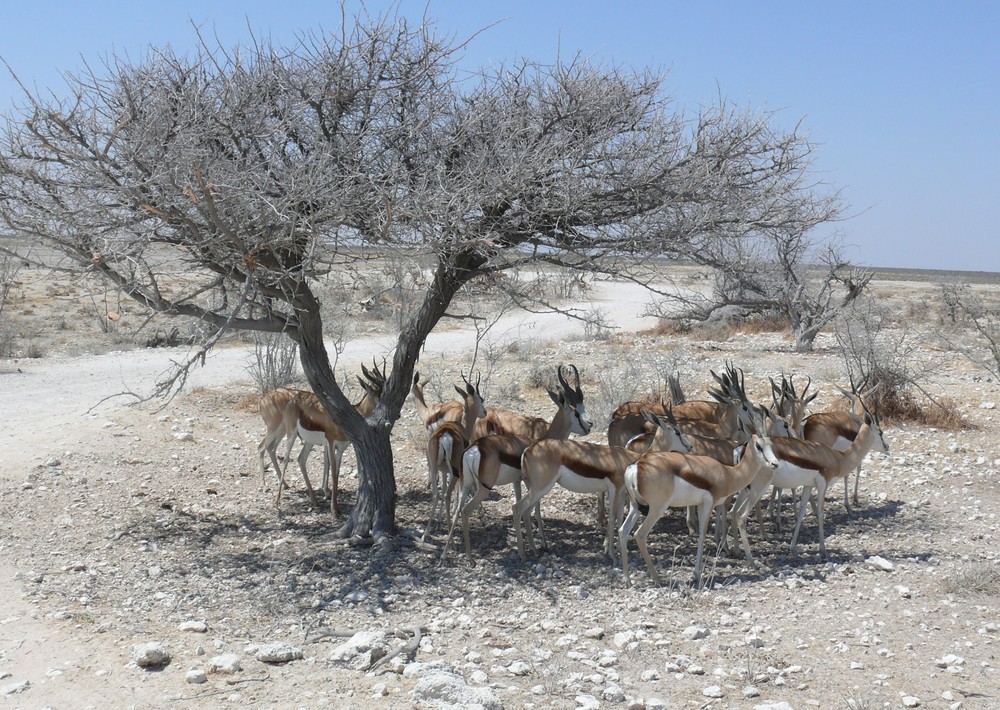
point(805, 339)
point(375, 511)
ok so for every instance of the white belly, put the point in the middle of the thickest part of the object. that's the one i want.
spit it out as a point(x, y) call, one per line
point(841, 444)
point(508, 475)
point(316, 438)
point(583, 484)
point(685, 494)
point(788, 475)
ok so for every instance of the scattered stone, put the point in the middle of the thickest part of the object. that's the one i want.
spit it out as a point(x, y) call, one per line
point(151, 655)
point(595, 633)
point(443, 689)
point(910, 701)
point(196, 676)
point(713, 691)
point(902, 591)
point(950, 659)
point(623, 638)
point(987, 405)
point(225, 664)
point(751, 691)
point(613, 694)
point(880, 563)
point(695, 633)
point(783, 705)
point(417, 669)
point(198, 627)
point(361, 650)
point(587, 702)
point(519, 668)
point(278, 652)
point(15, 688)
point(183, 436)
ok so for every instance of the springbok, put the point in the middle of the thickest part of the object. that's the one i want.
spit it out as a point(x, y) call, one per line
point(495, 460)
point(663, 480)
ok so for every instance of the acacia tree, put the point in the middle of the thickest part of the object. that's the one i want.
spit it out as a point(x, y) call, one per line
point(264, 166)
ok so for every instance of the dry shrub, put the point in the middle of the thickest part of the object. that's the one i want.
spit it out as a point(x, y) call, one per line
point(977, 578)
point(250, 404)
point(762, 323)
point(666, 327)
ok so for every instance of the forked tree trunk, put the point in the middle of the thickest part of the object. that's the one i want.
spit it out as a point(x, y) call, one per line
point(375, 511)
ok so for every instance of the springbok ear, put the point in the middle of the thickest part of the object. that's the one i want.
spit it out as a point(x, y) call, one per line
point(461, 392)
point(555, 397)
point(650, 417)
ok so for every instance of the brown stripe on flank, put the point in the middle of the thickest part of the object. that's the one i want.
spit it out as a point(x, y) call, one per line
point(583, 468)
point(786, 454)
point(308, 422)
point(510, 458)
point(692, 477)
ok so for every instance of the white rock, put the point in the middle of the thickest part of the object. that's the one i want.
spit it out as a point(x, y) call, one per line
point(278, 652)
point(910, 701)
point(479, 676)
point(198, 627)
point(595, 633)
point(713, 691)
point(183, 436)
point(15, 688)
point(880, 563)
point(987, 405)
point(774, 706)
point(519, 668)
point(196, 676)
point(623, 638)
point(950, 659)
point(361, 650)
point(417, 669)
point(613, 694)
point(587, 702)
point(902, 591)
point(443, 689)
point(224, 664)
point(650, 675)
point(151, 655)
point(751, 691)
point(694, 633)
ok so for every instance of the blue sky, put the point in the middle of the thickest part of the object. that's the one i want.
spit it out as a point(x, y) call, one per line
point(902, 98)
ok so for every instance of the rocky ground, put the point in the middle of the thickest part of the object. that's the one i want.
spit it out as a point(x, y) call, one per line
point(130, 535)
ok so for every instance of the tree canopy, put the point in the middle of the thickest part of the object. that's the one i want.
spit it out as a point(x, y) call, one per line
point(262, 166)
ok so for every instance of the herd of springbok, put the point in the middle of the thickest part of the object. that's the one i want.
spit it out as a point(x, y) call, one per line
point(720, 454)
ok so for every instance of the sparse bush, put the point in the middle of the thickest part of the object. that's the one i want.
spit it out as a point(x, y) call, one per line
point(977, 578)
point(596, 325)
point(963, 306)
point(7, 335)
point(883, 359)
point(34, 349)
point(637, 379)
point(274, 361)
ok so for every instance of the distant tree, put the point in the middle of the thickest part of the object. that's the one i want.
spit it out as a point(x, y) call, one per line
point(265, 166)
point(762, 245)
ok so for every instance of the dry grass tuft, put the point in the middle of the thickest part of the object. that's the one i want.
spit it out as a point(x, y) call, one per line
point(977, 578)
